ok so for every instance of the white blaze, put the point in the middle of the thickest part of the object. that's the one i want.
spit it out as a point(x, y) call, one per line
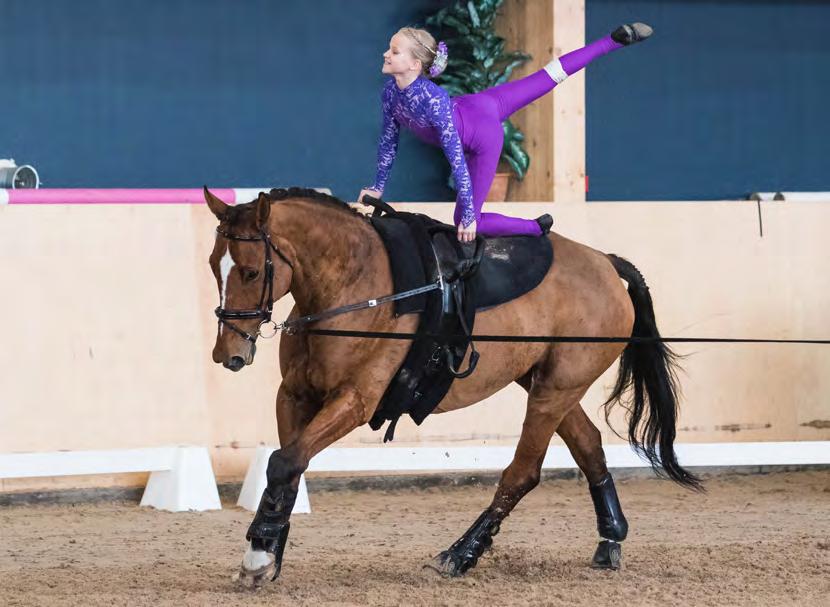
point(225, 266)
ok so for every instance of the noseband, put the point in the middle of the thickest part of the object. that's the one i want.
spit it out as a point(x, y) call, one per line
point(266, 299)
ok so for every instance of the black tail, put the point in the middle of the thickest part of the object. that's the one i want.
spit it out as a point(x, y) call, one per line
point(650, 369)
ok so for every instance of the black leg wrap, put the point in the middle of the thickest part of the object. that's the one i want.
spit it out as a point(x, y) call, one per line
point(611, 523)
point(269, 529)
point(464, 553)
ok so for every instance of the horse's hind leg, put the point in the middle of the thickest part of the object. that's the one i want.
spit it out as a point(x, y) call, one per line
point(585, 443)
point(544, 413)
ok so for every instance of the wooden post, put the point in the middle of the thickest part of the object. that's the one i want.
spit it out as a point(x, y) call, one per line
point(569, 107)
point(554, 126)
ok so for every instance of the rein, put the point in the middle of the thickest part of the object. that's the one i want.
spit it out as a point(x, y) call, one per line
point(289, 327)
point(266, 301)
point(292, 326)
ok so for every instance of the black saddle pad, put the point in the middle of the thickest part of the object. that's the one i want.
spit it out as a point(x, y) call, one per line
point(420, 250)
point(510, 266)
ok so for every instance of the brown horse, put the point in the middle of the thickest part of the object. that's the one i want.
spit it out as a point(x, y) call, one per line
point(327, 255)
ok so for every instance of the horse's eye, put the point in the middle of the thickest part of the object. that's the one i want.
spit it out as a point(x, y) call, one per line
point(249, 275)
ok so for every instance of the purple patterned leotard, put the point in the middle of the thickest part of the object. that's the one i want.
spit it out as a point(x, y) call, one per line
point(469, 130)
point(425, 109)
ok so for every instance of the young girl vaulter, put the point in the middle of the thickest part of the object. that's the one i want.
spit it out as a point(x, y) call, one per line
point(469, 128)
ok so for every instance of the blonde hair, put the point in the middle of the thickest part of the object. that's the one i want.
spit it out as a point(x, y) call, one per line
point(424, 48)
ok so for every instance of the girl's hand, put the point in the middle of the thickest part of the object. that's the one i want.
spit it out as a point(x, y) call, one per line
point(372, 193)
point(467, 234)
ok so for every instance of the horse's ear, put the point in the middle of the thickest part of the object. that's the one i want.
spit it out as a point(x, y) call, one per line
point(216, 206)
point(263, 210)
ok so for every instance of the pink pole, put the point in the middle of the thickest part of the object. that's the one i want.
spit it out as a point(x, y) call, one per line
point(115, 196)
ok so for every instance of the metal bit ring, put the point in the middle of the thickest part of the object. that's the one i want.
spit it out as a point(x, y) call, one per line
point(269, 333)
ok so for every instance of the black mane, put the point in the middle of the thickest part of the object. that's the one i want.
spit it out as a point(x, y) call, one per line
point(238, 215)
point(278, 194)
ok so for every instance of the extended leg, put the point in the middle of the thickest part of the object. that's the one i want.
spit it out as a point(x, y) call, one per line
point(513, 96)
point(492, 106)
point(584, 441)
point(544, 414)
point(268, 533)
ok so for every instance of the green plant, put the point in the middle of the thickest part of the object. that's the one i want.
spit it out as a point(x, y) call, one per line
point(478, 61)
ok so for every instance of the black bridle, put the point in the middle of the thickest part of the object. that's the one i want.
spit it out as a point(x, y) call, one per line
point(266, 299)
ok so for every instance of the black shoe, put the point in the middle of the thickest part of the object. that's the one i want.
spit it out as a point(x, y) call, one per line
point(631, 33)
point(545, 222)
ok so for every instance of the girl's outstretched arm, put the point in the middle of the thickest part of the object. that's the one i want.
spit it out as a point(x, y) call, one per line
point(441, 116)
point(388, 142)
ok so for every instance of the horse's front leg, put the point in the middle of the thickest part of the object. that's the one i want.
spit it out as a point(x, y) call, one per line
point(268, 533)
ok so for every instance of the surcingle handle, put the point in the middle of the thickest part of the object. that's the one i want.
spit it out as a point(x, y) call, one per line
point(380, 206)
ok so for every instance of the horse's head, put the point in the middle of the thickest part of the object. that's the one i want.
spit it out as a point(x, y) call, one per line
point(250, 272)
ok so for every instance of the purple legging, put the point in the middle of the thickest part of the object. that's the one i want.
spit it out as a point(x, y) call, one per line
point(479, 117)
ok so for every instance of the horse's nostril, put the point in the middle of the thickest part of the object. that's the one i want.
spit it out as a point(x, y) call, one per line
point(235, 363)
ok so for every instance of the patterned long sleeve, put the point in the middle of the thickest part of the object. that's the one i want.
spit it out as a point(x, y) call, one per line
point(440, 112)
point(388, 141)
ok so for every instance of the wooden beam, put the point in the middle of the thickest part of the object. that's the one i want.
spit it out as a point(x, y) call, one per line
point(554, 126)
point(569, 107)
point(526, 25)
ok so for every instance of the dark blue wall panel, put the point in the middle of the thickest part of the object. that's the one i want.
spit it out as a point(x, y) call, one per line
point(176, 93)
point(728, 97)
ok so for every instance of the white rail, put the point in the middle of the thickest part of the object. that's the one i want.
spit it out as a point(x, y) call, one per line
point(181, 478)
point(432, 459)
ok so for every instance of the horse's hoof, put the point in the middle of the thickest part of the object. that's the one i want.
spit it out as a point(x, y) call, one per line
point(607, 556)
point(448, 565)
point(252, 579)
